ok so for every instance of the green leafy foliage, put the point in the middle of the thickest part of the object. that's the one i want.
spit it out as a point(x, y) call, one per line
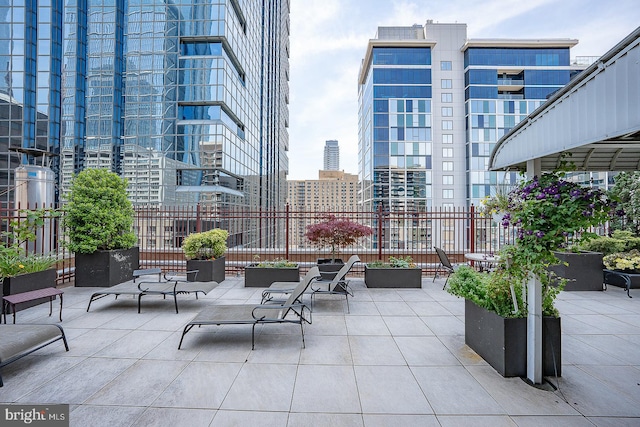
point(336, 233)
point(14, 259)
point(619, 241)
point(210, 244)
point(99, 216)
point(277, 263)
point(394, 262)
point(627, 190)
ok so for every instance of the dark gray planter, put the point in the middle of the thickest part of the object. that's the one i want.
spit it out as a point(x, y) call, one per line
point(263, 277)
point(208, 270)
point(29, 282)
point(106, 268)
point(502, 342)
point(393, 277)
point(328, 267)
point(584, 270)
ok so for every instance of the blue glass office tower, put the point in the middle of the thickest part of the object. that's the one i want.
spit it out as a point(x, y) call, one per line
point(186, 99)
point(30, 85)
point(432, 104)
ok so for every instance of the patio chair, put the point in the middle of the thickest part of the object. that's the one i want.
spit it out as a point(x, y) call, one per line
point(337, 286)
point(445, 265)
point(292, 311)
point(170, 284)
point(21, 340)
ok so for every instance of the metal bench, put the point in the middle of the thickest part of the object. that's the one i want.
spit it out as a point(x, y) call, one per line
point(12, 300)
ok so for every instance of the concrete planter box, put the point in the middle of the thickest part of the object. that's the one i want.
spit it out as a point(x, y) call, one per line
point(208, 270)
point(502, 342)
point(584, 270)
point(328, 267)
point(393, 277)
point(29, 282)
point(106, 268)
point(263, 277)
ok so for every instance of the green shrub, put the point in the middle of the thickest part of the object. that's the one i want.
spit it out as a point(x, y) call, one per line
point(277, 263)
point(210, 244)
point(400, 262)
point(620, 241)
point(98, 216)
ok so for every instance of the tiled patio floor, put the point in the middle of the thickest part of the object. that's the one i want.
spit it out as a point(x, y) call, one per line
point(398, 359)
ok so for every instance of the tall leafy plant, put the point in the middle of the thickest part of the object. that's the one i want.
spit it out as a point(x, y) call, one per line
point(98, 216)
point(336, 233)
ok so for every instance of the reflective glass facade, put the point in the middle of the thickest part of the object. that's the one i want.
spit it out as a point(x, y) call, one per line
point(502, 86)
point(30, 85)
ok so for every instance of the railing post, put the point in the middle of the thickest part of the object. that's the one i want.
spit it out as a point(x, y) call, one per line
point(380, 232)
point(472, 229)
point(286, 232)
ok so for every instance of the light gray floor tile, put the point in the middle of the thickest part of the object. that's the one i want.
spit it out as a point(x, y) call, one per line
point(326, 325)
point(135, 344)
point(309, 419)
point(623, 378)
point(384, 295)
point(326, 350)
point(614, 422)
point(104, 416)
point(394, 308)
point(444, 325)
point(140, 384)
point(367, 350)
point(262, 387)
point(385, 420)
point(428, 308)
point(407, 326)
point(72, 387)
point(476, 421)
point(464, 353)
point(321, 388)
point(425, 351)
point(224, 418)
point(615, 346)
point(172, 417)
point(188, 389)
point(359, 308)
point(517, 397)
point(277, 348)
point(390, 390)
point(452, 390)
point(366, 325)
point(555, 421)
point(576, 352)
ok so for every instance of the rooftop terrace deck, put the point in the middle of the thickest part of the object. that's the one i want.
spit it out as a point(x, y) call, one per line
point(398, 359)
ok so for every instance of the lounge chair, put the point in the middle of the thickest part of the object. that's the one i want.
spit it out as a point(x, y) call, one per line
point(292, 311)
point(171, 284)
point(445, 265)
point(17, 341)
point(337, 286)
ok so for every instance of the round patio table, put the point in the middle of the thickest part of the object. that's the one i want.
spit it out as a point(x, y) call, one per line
point(485, 261)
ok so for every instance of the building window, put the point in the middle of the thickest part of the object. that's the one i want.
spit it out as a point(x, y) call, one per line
point(447, 179)
point(446, 83)
point(447, 111)
point(447, 138)
point(445, 65)
point(447, 124)
point(447, 152)
point(446, 97)
point(447, 166)
point(447, 194)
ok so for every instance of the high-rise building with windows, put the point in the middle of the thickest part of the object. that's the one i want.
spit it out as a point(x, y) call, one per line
point(331, 155)
point(432, 104)
point(30, 85)
point(188, 100)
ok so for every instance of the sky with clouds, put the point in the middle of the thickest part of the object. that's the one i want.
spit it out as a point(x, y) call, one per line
point(329, 39)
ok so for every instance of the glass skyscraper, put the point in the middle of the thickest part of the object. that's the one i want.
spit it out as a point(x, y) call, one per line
point(186, 99)
point(432, 105)
point(331, 155)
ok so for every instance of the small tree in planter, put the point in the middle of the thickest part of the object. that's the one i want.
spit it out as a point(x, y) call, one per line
point(335, 233)
point(98, 220)
point(204, 252)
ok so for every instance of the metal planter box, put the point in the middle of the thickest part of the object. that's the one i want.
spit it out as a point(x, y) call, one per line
point(263, 277)
point(502, 342)
point(393, 277)
point(584, 270)
point(106, 268)
point(208, 270)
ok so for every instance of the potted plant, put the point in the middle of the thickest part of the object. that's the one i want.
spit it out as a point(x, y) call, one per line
point(205, 252)
point(264, 273)
point(397, 273)
point(335, 233)
point(21, 271)
point(546, 211)
point(625, 262)
point(98, 221)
